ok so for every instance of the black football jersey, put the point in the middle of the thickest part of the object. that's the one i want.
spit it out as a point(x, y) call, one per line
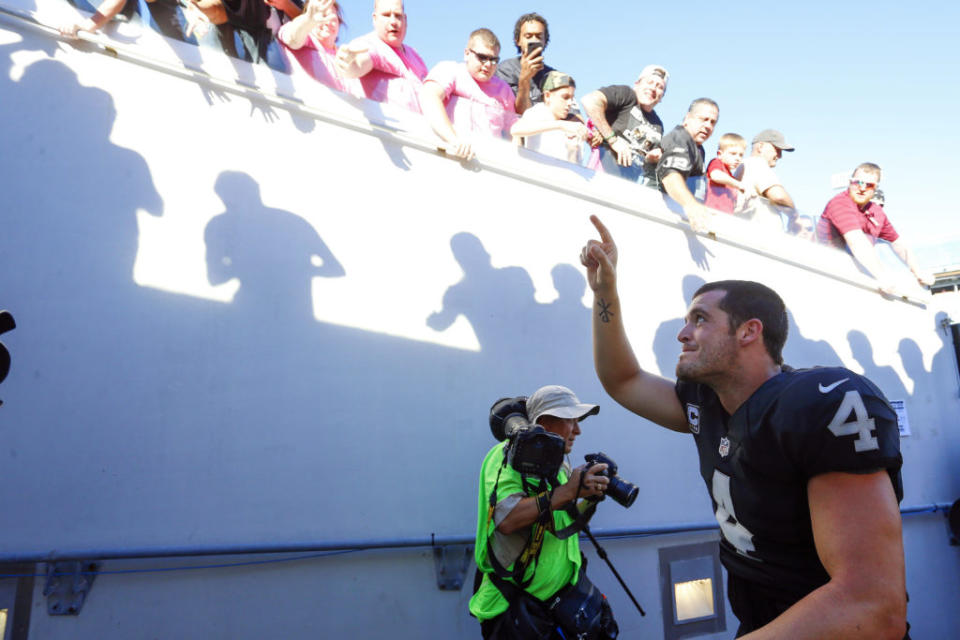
point(756, 464)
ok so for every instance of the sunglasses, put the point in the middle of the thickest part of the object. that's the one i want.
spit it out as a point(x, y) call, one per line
point(484, 58)
point(863, 184)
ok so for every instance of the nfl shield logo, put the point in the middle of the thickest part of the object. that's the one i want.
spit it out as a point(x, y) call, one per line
point(693, 418)
point(724, 447)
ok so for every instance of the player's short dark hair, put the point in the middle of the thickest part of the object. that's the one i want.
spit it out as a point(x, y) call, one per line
point(745, 300)
point(527, 17)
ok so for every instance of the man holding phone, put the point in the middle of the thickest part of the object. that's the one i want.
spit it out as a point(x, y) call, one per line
point(526, 73)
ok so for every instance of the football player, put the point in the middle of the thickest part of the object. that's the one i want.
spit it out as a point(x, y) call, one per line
point(802, 466)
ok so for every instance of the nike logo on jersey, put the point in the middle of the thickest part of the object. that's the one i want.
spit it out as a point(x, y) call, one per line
point(831, 387)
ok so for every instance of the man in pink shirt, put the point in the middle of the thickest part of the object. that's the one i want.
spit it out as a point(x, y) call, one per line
point(464, 99)
point(853, 221)
point(389, 70)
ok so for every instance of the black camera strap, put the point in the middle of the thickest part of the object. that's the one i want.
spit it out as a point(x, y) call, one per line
point(531, 551)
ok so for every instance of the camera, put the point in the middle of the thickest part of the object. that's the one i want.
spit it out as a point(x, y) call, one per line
point(643, 139)
point(533, 45)
point(619, 489)
point(532, 450)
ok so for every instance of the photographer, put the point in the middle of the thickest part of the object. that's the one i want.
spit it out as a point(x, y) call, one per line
point(527, 546)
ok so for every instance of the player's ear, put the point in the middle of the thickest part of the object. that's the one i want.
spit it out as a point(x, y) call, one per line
point(750, 331)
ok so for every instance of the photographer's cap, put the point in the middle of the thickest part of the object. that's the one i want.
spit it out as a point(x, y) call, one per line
point(555, 400)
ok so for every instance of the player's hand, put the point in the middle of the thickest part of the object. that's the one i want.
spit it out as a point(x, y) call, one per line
point(624, 153)
point(600, 258)
point(653, 156)
point(925, 278)
point(459, 149)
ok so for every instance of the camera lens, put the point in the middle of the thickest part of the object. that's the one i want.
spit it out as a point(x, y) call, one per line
point(621, 491)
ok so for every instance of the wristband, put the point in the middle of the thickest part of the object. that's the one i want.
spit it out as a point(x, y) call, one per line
point(543, 501)
point(612, 136)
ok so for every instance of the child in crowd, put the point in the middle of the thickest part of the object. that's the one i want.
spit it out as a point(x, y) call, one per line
point(722, 187)
point(548, 126)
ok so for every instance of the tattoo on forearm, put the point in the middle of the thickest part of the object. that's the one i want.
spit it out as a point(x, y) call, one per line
point(605, 312)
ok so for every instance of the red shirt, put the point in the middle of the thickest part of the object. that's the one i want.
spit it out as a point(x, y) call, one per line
point(842, 215)
point(719, 196)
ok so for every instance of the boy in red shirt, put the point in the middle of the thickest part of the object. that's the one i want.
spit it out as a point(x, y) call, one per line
point(722, 187)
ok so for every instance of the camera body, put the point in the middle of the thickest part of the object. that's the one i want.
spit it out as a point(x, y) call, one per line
point(533, 46)
point(619, 489)
point(532, 450)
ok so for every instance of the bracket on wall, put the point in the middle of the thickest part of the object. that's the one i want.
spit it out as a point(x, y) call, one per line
point(451, 563)
point(67, 586)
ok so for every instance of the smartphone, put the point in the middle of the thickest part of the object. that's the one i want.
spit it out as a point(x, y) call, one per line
point(533, 45)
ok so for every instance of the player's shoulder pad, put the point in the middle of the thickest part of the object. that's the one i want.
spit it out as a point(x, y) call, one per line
point(828, 383)
point(820, 391)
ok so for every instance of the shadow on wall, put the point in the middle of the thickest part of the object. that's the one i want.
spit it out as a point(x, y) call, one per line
point(231, 418)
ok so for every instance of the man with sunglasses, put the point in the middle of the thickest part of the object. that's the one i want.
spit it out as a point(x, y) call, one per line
point(464, 100)
point(854, 220)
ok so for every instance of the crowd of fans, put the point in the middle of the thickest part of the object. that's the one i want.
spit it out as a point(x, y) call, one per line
point(522, 98)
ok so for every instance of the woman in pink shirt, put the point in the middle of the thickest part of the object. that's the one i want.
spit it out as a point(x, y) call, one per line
point(310, 44)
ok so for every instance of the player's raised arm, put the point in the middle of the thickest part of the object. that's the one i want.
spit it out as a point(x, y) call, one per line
point(644, 393)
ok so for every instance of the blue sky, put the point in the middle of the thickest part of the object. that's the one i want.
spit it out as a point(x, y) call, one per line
point(846, 82)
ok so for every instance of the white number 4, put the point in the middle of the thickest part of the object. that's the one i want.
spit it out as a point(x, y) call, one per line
point(861, 424)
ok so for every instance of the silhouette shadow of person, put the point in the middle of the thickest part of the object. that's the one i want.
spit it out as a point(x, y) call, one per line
point(801, 352)
point(496, 301)
point(884, 377)
point(274, 254)
point(666, 347)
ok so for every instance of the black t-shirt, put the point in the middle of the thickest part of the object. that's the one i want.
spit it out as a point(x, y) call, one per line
point(249, 15)
point(624, 113)
point(681, 154)
point(757, 462)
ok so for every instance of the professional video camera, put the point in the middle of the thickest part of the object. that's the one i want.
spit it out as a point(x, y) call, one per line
point(619, 489)
point(643, 139)
point(532, 450)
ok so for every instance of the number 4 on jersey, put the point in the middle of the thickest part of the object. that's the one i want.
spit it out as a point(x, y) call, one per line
point(851, 418)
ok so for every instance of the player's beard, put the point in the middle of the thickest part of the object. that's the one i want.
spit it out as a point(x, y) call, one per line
point(713, 359)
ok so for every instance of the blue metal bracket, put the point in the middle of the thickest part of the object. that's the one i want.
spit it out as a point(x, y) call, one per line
point(67, 586)
point(451, 563)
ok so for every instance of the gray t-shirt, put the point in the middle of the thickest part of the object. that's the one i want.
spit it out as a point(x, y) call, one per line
point(509, 71)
